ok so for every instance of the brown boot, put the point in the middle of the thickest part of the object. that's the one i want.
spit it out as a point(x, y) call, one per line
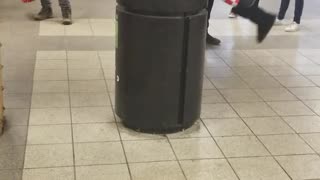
point(45, 13)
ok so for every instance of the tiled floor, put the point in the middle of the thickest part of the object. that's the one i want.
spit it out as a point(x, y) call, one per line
point(260, 114)
point(81, 27)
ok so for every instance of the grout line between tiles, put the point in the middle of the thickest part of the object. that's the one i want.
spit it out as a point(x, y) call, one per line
point(220, 149)
point(176, 158)
point(255, 134)
point(71, 127)
point(300, 100)
point(115, 118)
point(27, 133)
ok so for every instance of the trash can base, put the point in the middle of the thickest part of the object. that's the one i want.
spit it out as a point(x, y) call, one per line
point(161, 130)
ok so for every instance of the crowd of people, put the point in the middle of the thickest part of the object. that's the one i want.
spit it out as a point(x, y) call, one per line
point(264, 20)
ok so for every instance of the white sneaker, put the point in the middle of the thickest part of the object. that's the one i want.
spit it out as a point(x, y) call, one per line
point(293, 27)
point(278, 22)
point(232, 15)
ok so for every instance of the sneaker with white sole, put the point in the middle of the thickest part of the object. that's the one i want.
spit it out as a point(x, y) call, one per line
point(66, 15)
point(232, 15)
point(293, 27)
point(278, 22)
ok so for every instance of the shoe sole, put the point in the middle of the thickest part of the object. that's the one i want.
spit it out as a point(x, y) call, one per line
point(38, 19)
point(275, 24)
point(290, 31)
point(66, 23)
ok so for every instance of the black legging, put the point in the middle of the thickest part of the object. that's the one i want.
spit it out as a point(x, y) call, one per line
point(210, 5)
point(254, 13)
point(297, 12)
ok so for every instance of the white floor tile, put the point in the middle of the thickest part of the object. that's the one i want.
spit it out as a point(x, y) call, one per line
point(227, 127)
point(258, 168)
point(285, 144)
point(114, 172)
point(49, 134)
point(148, 150)
point(196, 148)
point(50, 116)
point(241, 146)
point(156, 171)
point(213, 169)
point(40, 156)
point(302, 166)
point(66, 173)
point(95, 132)
point(99, 153)
point(92, 114)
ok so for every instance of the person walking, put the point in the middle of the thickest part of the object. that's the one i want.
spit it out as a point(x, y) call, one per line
point(262, 19)
point(46, 11)
point(210, 39)
point(294, 26)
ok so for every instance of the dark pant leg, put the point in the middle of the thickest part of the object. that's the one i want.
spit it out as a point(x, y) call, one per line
point(45, 3)
point(298, 11)
point(64, 4)
point(210, 5)
point(254, 13)
point(246, 12)
point(283, 9)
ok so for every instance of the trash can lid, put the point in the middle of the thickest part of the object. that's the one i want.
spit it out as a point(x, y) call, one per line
point(163, 7)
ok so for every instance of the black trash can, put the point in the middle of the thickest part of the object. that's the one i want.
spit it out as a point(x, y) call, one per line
point(160, 54)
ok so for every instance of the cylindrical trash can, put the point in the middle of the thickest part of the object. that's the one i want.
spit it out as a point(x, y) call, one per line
point(160, 52)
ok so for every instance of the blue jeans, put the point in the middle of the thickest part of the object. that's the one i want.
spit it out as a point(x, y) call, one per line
point(63, 3)
point(297, 12)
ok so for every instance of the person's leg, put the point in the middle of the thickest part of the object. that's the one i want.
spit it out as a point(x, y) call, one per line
point(209, 8)
point(283, 9)
point(64, 4)
point(45, 3)
point(46, 11)
point(211, 40)
point(258, 16)
point(66, 11)
point(294, 26)
point(298, 11)
point(248, 13)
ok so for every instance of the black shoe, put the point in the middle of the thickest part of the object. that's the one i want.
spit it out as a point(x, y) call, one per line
point(66, 15)
point(45, 13)
point(264, 29)
point(212, 40)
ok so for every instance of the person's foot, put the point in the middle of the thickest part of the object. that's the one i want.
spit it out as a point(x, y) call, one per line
point(264, 29)
point(212, 40)
point(232, 15)
point(66, 15)
point(278, 22)
point(45, 13)
point(293, 27)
